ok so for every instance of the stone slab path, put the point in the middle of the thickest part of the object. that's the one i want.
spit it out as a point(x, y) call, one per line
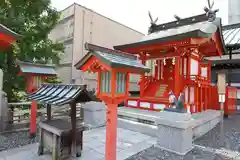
point(128, 144)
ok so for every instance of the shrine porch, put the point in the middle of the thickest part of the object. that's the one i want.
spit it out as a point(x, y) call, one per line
point(147, 103)
point(128, 144)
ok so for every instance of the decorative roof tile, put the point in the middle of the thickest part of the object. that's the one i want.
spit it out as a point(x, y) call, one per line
point(112, 58)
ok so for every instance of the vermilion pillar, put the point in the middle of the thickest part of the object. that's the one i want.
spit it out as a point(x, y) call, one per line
point(142, 78)
point(177, 82)
point(33, 119)
point(33, 116)
point(111, 132)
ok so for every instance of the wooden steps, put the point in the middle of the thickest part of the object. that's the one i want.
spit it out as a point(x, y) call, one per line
point(162, 89)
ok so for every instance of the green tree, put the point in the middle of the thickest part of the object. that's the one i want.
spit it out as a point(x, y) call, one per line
point(33, 19)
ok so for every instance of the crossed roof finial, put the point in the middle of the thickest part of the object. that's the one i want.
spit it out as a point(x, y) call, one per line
point(153, 23)
point(211, 14)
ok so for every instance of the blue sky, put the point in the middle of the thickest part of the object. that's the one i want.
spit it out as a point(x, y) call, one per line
point(134, 13)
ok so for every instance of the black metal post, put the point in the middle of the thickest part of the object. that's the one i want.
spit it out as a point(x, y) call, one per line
point(49, 114)
point(73, 122)
point(230, 70)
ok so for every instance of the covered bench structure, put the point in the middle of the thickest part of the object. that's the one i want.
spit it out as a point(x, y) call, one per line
point(60, 136)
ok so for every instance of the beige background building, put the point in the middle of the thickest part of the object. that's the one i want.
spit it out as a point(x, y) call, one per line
point(78, 25)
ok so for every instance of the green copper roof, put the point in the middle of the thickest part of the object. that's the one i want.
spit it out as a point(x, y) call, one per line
point(201, 29)
point(192, 27)
point(40, 69)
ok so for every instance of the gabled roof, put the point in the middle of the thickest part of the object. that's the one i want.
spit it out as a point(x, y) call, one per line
point(8, 32)
point(112, 58)
point(233, 76)
point(231, 34)
point(226, 64)
point(7, 37)
point(60, 94)
point(193, 27)
point(40, 69)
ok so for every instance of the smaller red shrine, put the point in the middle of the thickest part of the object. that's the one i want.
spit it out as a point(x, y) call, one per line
point(7, 37)
point(35, 75)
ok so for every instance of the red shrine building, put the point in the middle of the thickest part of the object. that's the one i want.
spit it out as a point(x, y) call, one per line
point(176, 53)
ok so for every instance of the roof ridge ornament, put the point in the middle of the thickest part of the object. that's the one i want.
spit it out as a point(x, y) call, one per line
point(177, 17)
point(210, 13)
point(153, 23)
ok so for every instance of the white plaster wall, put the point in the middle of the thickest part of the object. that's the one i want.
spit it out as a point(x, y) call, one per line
point(186, 95)
point(204, 71)
point(194, 67)
point(191, 101)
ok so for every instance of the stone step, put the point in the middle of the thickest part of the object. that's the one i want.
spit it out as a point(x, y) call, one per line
point(137, 115)
point(138, 120)
point(131, 125)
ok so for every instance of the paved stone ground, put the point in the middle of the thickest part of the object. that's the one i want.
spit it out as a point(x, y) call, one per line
point(128, 144)
point(211, 146)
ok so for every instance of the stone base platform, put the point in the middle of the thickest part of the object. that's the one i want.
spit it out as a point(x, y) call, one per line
point(137, 120)
point(176, 131)
point(183, 128)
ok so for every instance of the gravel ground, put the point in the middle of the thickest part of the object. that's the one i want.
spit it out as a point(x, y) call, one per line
point(211, 139)
point(231, 135)
point(154, 153)
point(16, 139)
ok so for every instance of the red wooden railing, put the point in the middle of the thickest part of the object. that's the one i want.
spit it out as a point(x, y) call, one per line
point(231, 101)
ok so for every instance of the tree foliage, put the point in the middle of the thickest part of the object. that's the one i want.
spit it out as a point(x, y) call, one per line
point(33, 19)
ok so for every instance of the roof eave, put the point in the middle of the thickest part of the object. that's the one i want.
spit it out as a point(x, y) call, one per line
point(218, 23)
point(80, 63)
point(192, 34)
point(9, 32)
point(137, 69)
point(18, 62)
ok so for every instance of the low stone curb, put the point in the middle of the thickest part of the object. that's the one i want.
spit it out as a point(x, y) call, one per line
point(223, 152)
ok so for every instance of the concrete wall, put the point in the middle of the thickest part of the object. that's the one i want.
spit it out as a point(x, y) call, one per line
point(233, 11)
point(79, 25)
point(64, 32)
point(64, 73)
point(94, 28)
